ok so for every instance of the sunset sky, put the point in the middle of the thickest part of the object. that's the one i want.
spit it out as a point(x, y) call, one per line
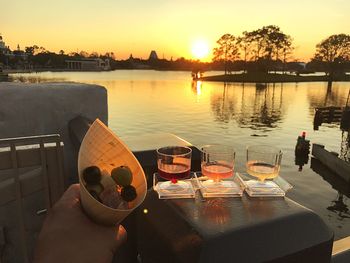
point(169, 27)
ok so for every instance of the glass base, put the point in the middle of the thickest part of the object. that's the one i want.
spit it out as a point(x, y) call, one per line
point(178, 187)
point(255, 188)
point(261, 185)
point(223, 188)
point(169, 190)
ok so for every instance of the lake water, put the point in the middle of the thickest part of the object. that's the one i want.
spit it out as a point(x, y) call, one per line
point(239, 114)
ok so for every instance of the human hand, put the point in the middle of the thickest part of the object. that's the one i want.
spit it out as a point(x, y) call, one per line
point(68, 235)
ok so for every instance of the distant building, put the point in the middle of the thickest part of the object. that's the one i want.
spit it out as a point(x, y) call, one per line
point(153, 55)
point(5, 50)
point(2, 43)
point(131, 58)
point(88, 64)
point(302, 64)
point(20, 53)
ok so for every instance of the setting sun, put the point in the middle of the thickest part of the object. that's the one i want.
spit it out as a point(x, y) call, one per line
point(200, 49)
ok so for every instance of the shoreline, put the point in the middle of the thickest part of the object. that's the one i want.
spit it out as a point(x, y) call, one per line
point(256, 77)
point(19, 71)
point(272, 78)
point(16, 71)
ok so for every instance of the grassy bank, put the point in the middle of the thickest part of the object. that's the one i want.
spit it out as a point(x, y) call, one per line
point(271, 77)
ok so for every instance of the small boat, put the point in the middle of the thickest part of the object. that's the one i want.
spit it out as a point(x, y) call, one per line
point(196, 74)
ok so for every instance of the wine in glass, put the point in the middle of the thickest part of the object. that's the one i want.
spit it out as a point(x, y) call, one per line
point(174, 164)
point(263, 162)
point(217, 163)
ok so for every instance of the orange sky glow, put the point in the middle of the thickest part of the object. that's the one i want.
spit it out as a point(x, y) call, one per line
point(169, 27)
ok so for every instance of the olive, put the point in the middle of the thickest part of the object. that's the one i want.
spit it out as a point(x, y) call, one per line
point(128, 193)
point(97, 188)
point(92, 175)
point(111, 197)
point(122, 175)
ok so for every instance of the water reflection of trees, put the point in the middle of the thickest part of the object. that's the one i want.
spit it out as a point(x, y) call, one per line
point(257, 106)
point(223, 105)
point(325, 95)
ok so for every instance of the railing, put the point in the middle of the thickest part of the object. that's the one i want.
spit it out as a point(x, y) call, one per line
point(17, 156)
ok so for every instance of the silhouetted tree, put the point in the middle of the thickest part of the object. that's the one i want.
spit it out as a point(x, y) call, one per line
point(39, 50)
point(227, 50)
point(287, 49)
point(244, 43)
point(33, 50)
point(334, 51)
point(256, 39)
point(266, 44)
point(94, 54)
point(84, 54)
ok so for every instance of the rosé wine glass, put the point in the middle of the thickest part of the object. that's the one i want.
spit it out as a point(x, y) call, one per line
point(217, 162)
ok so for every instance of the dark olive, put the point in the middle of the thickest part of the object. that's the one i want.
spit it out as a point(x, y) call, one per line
point(128, 193)
point(92, 175)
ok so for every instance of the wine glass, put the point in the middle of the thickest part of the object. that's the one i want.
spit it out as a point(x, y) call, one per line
point(217, 163)
point(263, 162)
point(174, 164)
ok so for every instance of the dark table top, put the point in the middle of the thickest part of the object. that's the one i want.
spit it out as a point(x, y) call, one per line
point(223, 229)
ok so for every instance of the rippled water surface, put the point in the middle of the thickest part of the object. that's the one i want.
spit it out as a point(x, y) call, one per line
point(239, 114)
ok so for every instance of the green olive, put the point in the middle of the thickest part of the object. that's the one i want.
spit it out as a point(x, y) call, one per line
point(122, 175)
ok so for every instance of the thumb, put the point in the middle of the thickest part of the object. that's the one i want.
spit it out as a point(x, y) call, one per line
point(120, 237)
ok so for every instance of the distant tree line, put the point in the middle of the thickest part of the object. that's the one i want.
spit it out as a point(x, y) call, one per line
point(262, 46)
point(268, 48)
point(263, 49)
point(333, 54)
point(39, 57)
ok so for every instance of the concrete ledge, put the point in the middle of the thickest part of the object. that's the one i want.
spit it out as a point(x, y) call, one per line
point(28, 109)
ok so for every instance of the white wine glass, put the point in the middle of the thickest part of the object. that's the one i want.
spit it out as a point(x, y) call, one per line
point(263, 162)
